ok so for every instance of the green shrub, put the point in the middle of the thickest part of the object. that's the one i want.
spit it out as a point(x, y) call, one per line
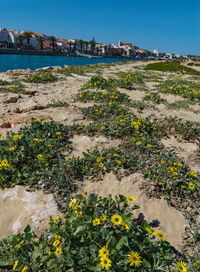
point(154, 97)
point(171, 66)
point(41, 77)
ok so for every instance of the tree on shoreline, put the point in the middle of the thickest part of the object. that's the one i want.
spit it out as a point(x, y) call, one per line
point(27, 36)
point(81, 44)
point(40, 41)
point(86, 46)
point(93, 45)
point(20, 38)
point(53, 40)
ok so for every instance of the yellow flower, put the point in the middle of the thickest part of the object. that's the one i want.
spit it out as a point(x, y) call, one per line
point(149, 145)
point(36, 120)
point(78, 213)
point(56, 243)
point(57, 237)
point(11, 148)
point(125, 226)
point(56, 218)
point(103, 217)
point(181, 266)
point(15, 265)
point(192, 186)
point(101, 165)
point(85, 192)
point(24, 269)
point(159, 234)
point(103, 252)
point(17, 137)
point(96, 222)
point(58, 251)
point(21, 243)
point(130, 198)
point(98, 159)
point(39, 156)
point(150, 230)
point(72, 203)
point(139, 143)
point(134, 258)
point(116, 219)
point(105, 263)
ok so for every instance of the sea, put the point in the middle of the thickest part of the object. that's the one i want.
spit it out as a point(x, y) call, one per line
point(10, 62)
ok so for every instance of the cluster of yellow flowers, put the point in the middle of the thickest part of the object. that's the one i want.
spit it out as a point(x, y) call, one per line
point(4, 164)
point(56, 244)
point(17, 137)
point(37, 140)
point(41, 158)
point(25, 268)
point(58, 133)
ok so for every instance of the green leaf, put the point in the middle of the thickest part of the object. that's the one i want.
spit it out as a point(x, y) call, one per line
point(92, 199)
point(52, 263)
point(79, 230)
point(70, 262)
point(112, 242)
point(36, 253)
point(122, 242)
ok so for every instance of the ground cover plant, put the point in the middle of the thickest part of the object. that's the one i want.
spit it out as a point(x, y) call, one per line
point(154, 97)
point(16, 87)
point(171, 66)
point(98, 234)
point(3, 82)
point(33, 155)
point(41, 77)
point(111, 95)
point(99, 82)
point(57, 104)
point(182, 104)
point(186, 89)
point(188, 130)
point(132, 77)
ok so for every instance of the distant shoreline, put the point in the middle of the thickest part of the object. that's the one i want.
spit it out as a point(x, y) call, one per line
point(4, 51)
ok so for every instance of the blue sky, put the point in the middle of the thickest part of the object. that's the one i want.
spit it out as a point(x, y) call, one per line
point(168, 25)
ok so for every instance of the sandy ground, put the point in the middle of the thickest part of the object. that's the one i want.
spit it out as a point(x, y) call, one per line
point(19, 208)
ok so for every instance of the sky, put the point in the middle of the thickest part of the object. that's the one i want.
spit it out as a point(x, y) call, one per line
point(166, 25)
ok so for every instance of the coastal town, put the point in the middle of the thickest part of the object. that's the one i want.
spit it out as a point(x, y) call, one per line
point(23, 41)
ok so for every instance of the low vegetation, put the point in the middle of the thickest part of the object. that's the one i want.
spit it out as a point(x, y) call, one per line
point(97, 235)
point(102, 233)
point(171, 66)
point(41, 77)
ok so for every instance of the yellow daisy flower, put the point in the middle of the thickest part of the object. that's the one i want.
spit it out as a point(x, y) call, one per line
point(134, 258)
point(58, 251)
point(130, 198)
point(96, 222)
point(105, 263)
point(181, 266)
point(15, 265)
point(72, 203)
point(103, 252)
point(160, 235)
point(116, 219)
point(56, 243)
